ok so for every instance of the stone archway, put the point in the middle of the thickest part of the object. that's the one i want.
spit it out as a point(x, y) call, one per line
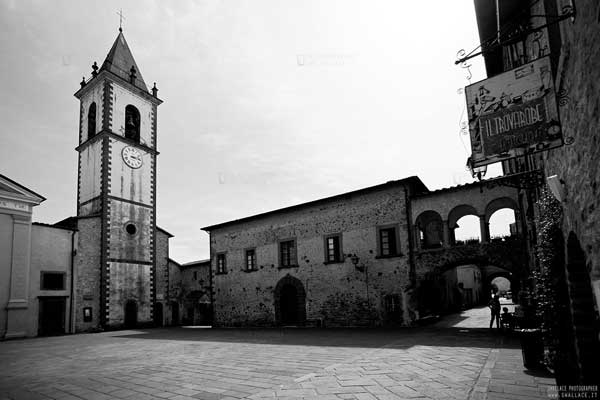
point(290, 301)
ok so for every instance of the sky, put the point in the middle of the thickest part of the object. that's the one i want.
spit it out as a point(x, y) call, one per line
point(267, 103)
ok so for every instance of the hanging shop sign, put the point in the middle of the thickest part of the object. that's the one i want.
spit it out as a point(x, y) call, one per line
point(513, 113)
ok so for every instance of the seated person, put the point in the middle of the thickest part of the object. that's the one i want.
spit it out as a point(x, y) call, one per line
point(506, 318)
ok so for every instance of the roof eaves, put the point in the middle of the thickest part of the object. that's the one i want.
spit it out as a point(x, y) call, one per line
point(414, 181)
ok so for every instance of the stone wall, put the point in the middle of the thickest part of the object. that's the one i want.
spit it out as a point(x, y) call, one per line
point(174, 298)
point(195, 293)
point(577, 164)
point(336, 293)
point(87, 273)
point(161, 280)
point(51, 250)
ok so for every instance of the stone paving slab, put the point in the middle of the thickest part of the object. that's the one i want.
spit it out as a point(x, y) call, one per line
point(221, 364)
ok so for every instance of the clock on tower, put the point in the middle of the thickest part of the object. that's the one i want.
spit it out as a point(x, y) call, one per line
point(117, 190)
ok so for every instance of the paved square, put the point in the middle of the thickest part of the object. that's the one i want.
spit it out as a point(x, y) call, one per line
point(188, 364)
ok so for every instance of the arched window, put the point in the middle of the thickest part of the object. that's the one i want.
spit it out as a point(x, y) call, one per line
point(132, 123)
point(91, 130)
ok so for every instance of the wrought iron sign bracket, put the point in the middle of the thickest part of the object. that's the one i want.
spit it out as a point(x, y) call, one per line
point(523, 180)
point(520, 32)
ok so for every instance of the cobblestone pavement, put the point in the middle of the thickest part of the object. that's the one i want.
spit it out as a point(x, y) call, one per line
point(187, 364)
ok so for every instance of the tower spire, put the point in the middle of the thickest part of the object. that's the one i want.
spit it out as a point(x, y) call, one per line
point(120, 61)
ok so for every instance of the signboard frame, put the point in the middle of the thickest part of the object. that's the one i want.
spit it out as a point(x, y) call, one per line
point(513, 113)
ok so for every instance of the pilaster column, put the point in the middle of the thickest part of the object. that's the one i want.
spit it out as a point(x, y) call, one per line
point(446, 233)
point(417, 237)
point(17, 307)
point(484, 229)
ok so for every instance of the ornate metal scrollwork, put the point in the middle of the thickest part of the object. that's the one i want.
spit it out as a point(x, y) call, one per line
point(521, 180)
point(562, 96)
point(461, 55)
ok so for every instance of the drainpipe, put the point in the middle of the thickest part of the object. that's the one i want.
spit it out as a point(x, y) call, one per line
point(412, 272)
point(411, 255)
point(210, 280)
point(71, 297)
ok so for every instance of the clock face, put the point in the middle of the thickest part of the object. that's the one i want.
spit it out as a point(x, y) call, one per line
point(132, 157)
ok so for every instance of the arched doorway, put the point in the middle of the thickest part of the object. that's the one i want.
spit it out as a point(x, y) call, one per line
point(290, 301)
point(583, 315)
point(131, 310)
point(158, 314)
point(429, 227)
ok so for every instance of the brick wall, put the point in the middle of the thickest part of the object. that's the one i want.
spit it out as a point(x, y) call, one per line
point(337, 294)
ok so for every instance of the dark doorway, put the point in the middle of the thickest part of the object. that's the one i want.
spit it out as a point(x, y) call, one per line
point(131, 311)
point(158, 314)
point(582, 313)
point(52, 316)
point(290, 301)
point(175, 313)
point(289, 304)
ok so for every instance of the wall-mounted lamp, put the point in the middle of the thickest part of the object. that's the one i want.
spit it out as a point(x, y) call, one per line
point(476, 172)
point(556, 187)
point(355, 260)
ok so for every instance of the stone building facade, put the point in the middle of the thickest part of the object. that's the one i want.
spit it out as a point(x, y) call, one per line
point(195, 293)
point(568, 32)
point(338, 261)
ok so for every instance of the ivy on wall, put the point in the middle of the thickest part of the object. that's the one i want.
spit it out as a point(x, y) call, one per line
point(550, 255)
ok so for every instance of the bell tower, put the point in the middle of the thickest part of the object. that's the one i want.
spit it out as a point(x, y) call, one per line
point(117, 186)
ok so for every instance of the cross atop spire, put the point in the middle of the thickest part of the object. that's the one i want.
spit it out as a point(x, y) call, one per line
point(121, 18)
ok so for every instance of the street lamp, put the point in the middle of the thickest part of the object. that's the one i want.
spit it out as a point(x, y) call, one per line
point(476, 172)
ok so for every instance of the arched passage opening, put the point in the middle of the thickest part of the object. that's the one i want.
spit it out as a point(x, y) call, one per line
point(501, 280)
point(502, 219)
point(464, 225)
point(501, 285)
point(429, 227)
point(502, 225)
point(290, 301)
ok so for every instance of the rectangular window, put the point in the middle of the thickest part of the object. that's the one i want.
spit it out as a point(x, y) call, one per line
point(287, 253)
point(333, 248)
point(251, 260)
point(221, 264)
point(388, 242)
point(87, 314)
point(52, 281)
point(195, 275)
